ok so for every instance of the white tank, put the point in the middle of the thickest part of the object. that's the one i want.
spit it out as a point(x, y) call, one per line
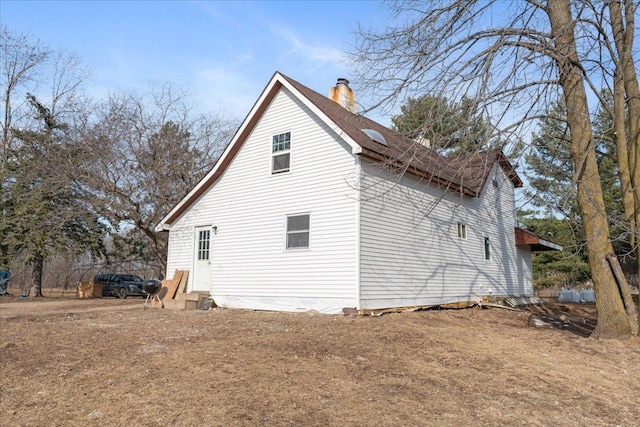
point(569, 295)
point(588, 295)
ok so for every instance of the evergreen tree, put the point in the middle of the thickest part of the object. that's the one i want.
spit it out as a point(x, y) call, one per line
point(44, 212)
point(451, 128)
point(550, 173)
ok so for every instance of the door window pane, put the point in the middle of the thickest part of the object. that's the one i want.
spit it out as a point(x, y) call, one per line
point(204, 237)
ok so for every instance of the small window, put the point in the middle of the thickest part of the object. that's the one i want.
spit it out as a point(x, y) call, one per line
point(487, 249)
point(462, 231)
point(280, 153)
point(204, 239)
point(298, 231)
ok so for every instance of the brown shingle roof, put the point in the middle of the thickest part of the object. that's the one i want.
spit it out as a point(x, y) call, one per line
point(467, 174)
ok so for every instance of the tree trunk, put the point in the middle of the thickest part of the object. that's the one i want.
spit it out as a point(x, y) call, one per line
point(625, 292)
point(623, 31)
point(622, 152)
point(37, 264)
point(613, 321)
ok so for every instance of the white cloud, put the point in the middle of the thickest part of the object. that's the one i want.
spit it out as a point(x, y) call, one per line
point(308, 55)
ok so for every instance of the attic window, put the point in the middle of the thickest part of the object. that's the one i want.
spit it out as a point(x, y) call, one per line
point(280, 153)
point(375, 136)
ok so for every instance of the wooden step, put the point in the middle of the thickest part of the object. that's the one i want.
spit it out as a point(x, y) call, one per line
point(189, 297)
point(186, 301)
point(180, 304)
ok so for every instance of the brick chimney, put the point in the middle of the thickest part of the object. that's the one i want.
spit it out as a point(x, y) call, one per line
point(342, 94)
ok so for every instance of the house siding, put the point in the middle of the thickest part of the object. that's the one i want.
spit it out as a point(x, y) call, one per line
point(250, 267)
point(410, 253)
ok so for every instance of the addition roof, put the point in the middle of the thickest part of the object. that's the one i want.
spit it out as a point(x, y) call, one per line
point(465, 174)
point(537, 243)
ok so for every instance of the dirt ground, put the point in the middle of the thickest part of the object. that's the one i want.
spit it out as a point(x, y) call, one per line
point(109, 362)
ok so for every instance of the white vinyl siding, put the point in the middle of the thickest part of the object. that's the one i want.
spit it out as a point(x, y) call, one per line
point(524, 273)
point(180, 251)
point(250, 266)
point(410, 250)
point(372, 240)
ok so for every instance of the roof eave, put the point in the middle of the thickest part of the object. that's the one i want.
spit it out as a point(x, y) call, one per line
point(510, 170)
point(430, 177)
point(536, 243)
point(227, 155)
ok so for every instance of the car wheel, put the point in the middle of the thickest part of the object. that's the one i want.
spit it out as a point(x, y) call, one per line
point(122, 293)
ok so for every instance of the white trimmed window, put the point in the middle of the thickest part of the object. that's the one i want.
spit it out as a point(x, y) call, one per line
point(487, 249)
point(280, 153)
point(462, 231)
point(298, 231)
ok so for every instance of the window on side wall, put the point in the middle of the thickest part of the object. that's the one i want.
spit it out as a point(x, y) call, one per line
point(280, 153)
point(298, 231)
point(487, 249)
point(462, 231)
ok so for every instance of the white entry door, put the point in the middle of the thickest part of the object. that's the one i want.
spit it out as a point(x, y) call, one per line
point(202, 260)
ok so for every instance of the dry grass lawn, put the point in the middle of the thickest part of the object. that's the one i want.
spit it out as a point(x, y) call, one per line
point(68, 362)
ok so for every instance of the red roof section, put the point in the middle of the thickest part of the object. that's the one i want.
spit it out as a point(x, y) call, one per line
point(537, 243)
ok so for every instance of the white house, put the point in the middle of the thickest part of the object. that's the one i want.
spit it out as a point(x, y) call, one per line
point(312, 206)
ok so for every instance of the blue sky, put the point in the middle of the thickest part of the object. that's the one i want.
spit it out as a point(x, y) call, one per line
point(224, 51)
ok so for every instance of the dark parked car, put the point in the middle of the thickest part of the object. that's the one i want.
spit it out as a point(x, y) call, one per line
point(124, 285)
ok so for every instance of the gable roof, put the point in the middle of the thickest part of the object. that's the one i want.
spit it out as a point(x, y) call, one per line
point(466, 174)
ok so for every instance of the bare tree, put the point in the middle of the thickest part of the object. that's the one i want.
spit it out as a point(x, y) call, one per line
point(21, 61)
point(144, 152)
point(515, 59)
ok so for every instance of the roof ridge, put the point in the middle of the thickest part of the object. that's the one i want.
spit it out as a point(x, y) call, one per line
point(408, 154)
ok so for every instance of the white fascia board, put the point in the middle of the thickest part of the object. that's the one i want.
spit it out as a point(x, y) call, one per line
point(162, 226)
point(355, 147)
point(358, 214)
point(549, 244)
